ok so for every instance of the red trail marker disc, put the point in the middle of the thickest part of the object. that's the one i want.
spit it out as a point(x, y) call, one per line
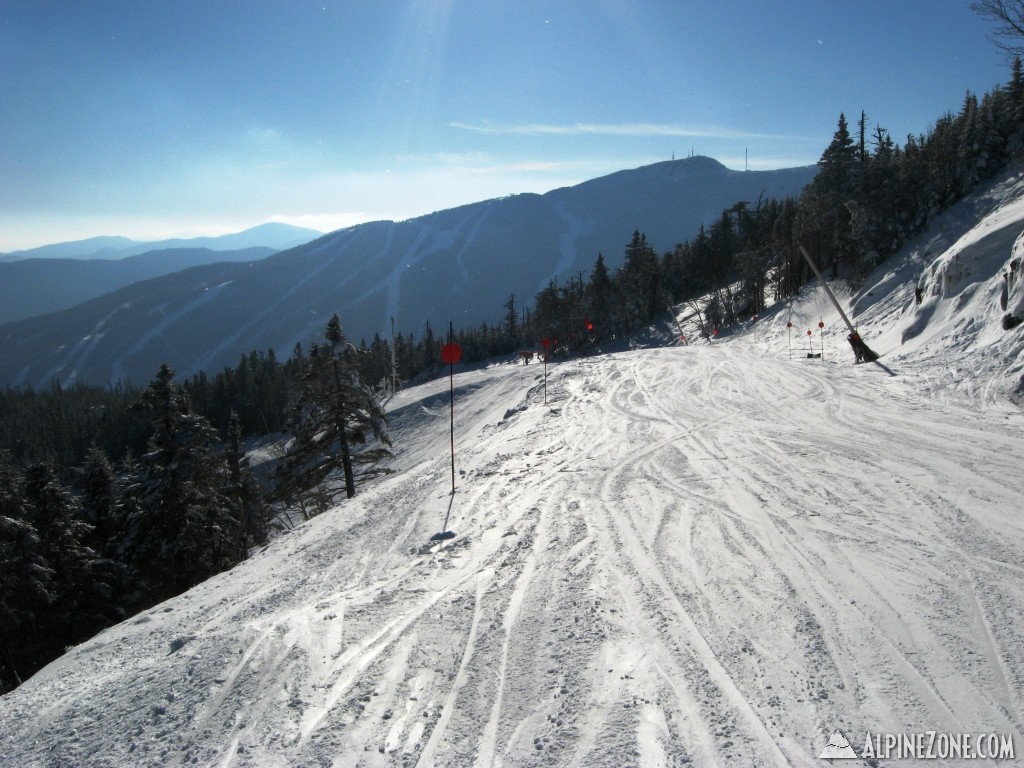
point(451, 353)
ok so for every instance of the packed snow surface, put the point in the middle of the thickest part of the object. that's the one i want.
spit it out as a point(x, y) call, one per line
point(714, 554)
point(705, 553)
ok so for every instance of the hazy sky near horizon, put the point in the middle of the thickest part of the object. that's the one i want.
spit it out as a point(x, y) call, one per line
point(158, 118)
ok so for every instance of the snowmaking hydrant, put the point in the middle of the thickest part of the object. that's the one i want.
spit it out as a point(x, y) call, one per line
point(860, 350)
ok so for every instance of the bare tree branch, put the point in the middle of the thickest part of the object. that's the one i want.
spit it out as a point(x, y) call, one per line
point(1008, 15)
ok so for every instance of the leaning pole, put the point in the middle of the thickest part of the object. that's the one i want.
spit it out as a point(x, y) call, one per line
point(861, 350)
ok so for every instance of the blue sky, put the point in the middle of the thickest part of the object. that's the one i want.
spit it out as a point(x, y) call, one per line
point(156, 118)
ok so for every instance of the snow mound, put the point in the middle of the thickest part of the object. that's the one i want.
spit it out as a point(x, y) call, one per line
point(967, 266)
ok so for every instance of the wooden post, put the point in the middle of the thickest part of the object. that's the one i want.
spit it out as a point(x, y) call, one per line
point(546, 344)
point(394, 365)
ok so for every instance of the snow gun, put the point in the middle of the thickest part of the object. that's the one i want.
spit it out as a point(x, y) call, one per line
point(860, 350)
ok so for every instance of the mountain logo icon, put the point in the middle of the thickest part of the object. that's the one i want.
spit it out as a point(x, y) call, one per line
point(838, 748)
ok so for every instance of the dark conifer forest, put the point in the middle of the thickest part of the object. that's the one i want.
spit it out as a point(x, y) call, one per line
point(114, 499)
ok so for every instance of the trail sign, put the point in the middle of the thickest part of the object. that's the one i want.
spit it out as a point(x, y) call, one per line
point(451, 353)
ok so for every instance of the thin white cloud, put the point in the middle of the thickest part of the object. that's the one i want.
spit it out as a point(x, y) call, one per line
point(615, 129)
point(261, 138)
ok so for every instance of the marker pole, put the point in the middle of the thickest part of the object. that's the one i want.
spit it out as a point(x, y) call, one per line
point(451, 387)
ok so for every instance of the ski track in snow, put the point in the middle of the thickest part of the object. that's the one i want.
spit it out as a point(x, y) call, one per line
point(696, 555)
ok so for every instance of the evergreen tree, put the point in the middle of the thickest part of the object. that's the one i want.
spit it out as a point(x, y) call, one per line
point(338, 423)
point(81, 586)
point(243, 492)
point(602, 299)
point(103, 508)
point(790, 266)
point(100, 498)
point(1014, 105)
point(547, 311)
point(375, 362)
point(25, 581)
point(721, 250)
point(512, 321)
point(827, 196)
point(969, 150)
point(753, 266)
point(427, 352)
point(183, 529)
point(640, 280)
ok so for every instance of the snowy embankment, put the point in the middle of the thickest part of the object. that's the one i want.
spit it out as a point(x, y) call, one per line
point(712, 555)
point(970, 270)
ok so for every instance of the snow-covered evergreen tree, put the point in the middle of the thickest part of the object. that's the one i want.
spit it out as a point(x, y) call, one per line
point(82, 583)
point(826, 213)
point(183, 529)
point(100, 497)
point(338, 423)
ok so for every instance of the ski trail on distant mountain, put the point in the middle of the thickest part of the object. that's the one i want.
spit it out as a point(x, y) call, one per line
point(469, 241)
point(207, 295)
point(575, 228)
point(80, 352)
point(440, 240)
point(233, 340)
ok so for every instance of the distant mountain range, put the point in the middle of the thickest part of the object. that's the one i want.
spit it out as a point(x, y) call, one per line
point(42, 280)
point(274, 235)
point(456, 265)
point(40, 286)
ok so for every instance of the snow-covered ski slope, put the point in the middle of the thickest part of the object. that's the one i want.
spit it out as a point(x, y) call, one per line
point(710, 555)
